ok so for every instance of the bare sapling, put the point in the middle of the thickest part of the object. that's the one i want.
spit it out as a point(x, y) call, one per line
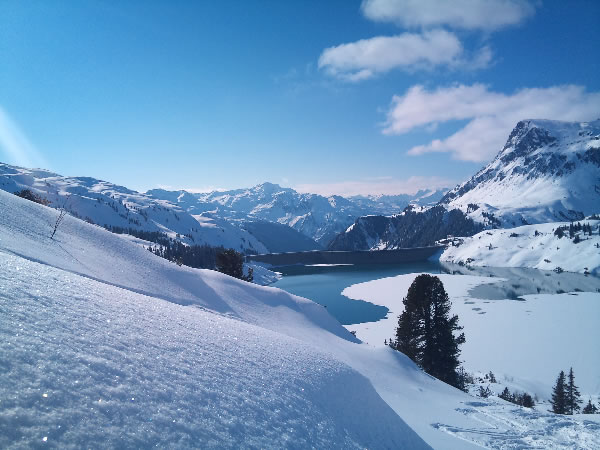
point(61, 215)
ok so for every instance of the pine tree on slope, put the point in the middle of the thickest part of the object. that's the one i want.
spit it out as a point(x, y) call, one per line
point(573, 397)
point(559, 399)
point(425, 330)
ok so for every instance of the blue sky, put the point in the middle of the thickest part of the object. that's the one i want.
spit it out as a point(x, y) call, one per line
point(346, 97)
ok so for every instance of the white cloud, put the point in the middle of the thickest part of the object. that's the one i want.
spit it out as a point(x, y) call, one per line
point(486, 15)
point(15, 146)
point(491, 115)
point(364, 59)
point(382, 185)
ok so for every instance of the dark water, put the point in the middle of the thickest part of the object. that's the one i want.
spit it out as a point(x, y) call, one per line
point(324, 284)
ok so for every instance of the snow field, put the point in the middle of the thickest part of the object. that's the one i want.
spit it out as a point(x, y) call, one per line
point(89, 364)
point(527, 342)
point(545, 251)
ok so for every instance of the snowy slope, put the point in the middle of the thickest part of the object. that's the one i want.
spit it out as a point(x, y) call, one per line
point(548, 171)
point(315, 216)
point(107, 204)
point(123, 342)
point(523, 247)
point(88, 364)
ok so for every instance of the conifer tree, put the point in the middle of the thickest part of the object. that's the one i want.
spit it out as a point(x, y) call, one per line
point(506, 395)
point(559, 399)
point(573, 397)
point(231, 263)
point(526, 400)
point(590, 408)
point(425, 330)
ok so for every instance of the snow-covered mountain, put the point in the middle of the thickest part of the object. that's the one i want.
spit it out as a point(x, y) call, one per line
point(120, 209)
point(390, 204)
point(102, 341)
point(315, 216)
point(548, 171)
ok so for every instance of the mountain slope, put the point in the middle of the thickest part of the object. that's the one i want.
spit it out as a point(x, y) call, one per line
point(279, 238)
point(117, 207)
point(414, 227)
point(548, 171)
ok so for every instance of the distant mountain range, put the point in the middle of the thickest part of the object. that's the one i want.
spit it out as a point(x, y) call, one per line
point(548, 171)
point(265, 218)
point(317, 217)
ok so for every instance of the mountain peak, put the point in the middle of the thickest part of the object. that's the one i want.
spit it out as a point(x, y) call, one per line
point(267, 186)
point(546, 171)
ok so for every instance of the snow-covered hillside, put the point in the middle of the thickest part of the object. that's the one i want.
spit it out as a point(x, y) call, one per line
point(315, 216)
point(103, 342)
point(548, 171)
point(535, 246)
point(107, 204)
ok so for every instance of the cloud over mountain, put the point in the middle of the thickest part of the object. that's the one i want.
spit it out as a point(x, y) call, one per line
point(490, 114)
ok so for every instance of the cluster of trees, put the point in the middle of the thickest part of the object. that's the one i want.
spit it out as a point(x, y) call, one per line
point(523, 399)
point(227, 261)
point(426, 331)
point(28, 194)
point(197, 256)
point(231, 263)
point(572, 229)
point(565, 395)
point(590, 408)
point(152, 236)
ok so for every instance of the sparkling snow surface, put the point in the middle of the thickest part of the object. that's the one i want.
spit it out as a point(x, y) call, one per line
point(88, 364)
point(103, 344)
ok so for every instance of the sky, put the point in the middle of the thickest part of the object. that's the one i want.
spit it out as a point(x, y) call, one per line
point(345, 97)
